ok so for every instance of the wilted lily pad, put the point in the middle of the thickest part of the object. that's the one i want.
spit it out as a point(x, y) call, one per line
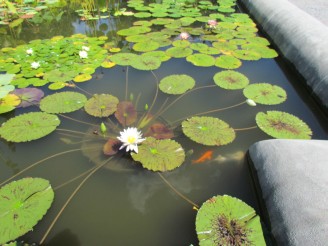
point(283, 125)
point(146, 63)
point(111, 147)
point(225, 220)
point(230, 80)
point(159, 131)
point(29, 96)
point(265, 93)
point(176, 84)
point(101, 105)
point(126, 113)
point(63, 102)
point(208, 131)
point(29, 126)
point(201, 60)
point(159, 155)
point(5, 86)
point(23, 203)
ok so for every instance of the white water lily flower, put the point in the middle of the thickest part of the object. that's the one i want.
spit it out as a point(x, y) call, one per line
point(35, 65)
point(29, 51)
point(250, 102)
point(85, 48)
point(130, 138)
point(83, 54)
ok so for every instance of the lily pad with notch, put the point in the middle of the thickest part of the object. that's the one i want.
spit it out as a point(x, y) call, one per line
point(146, 63)
point(225, 220)
point(283, 125)
point(126, 113)
point(208, 131)
point(227, 62)
point(159, 154)
point(201, 60)
point(265, 93)
point(63, 102)
point(179, 52)
point(101, 105)
point(29, 126)
point(176, 84)
point(24, 202)
point(145, 46)
point(230, 80)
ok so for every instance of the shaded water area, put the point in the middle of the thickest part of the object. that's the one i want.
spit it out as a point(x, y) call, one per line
point(123, 203)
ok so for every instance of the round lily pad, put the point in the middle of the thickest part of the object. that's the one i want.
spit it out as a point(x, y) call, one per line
point(23, 203)
point(159, 154)
point(123, 59)
point(176, 84)
point(230, 80)
point(82, 78)
point(101, 105)
point(29, 126)
point(208, 131)
point(178, 52)
point(264, 93)
point(225, 220)
point(201, 60)
point(146, 46)
point(227, 62)
point(146, 63)
point(63, 102)
point(29, 96)
point(283, 125)
point(159, 54)
point(126, 113)
point(247, 55)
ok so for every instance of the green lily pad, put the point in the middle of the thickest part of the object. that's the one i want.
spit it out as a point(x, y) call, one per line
point(247, 55)
point(146, 63)
point(137, 38)
point(225, 220)
point(123, 59)
point(264, 93)
point(126, 113)
point(142, 15)
point(181, 43)
point(59, 76)
point(208, 131)
point(158, 54)
point(23, 204)
point(133, 30)
point(176, 84)
point(101, 105)
point(178, 52)
point(159, 155)
point(63, 102)
point(227, 62)
point(57, 85)
point(201, 60)
point(283, 125)
point(9, 103)
point(231, 80)
point(146, 46)
point(29, 126)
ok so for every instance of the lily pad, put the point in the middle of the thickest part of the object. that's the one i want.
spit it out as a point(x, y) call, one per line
point(159, 131)
point(146, 63)
point(29, 126)
point(5, 86)
point(158, 54)
point(82, 78)
point(101, 105)
point(208, 131)
point(59, 76)
point(146, 46)
point(111, 147)
point(159, 155)
point(63, 102)
point(201, 60)
point(9, 103)
point(28, 96)
point(227, 62)
point(225, 220)
point(178, 52)
point(123, 59)
point(231, 80)
point(126, 113)
point(23, 204)
point(247, 55)
point(264, 93)
point(283, 125)
point(176, 84)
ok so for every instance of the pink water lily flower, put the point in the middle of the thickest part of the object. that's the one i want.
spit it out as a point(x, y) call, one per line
point(184, 35)
point(212, 24)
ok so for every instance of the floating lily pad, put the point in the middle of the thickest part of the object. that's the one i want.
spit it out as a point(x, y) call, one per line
point(181, 43)
point(82, 78)
point(159, 155)
point(9, 103)
point(248, 55)
point(57, 85)
point(63, 102)
point(225, 220)
point(176, 84)
point(126, 113)
point(133, 30)
point(283, 125)
point(158, 54)
point(59, 76)
point(227, 62)
point(146, 46)
point(201, 60)
point(101, 105)
point(178, 52)
point(231, 80)
point(142, 15)
point(29, 126)
point(159, 131)
point(208, 131)
point(123, 59)
point(23, 203)
point(146, 63)
point(5, 86)
point(28, 96)
point(264, 93)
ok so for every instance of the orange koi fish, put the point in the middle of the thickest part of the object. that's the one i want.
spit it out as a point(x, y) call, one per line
point(204, 157)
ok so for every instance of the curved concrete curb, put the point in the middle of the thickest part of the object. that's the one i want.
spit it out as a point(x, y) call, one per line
point(301, 38)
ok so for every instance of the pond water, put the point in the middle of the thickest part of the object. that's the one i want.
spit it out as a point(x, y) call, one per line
point(123, 203)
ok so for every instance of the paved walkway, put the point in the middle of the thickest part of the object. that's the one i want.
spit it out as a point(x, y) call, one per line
point(316, 8)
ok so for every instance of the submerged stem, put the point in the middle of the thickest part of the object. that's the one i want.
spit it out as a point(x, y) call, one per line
point(177, 192)
point(246, 128)
point(126, 82)
point(71, 197)
point(69, 118)
point(86, 92)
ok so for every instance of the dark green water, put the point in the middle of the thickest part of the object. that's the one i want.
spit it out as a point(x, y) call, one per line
point(135, 206)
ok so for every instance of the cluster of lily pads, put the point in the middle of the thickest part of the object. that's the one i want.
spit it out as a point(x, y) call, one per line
point(177, 29)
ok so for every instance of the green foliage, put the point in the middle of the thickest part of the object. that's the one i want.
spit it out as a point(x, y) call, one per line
point(101, 105)
point(231, 80)
point(176, 84)
point(265, 93)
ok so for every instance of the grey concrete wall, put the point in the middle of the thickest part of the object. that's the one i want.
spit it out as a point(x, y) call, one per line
point(301, 38)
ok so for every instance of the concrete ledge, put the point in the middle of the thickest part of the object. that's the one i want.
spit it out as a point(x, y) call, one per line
point(293, 180)
point(301, 38)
